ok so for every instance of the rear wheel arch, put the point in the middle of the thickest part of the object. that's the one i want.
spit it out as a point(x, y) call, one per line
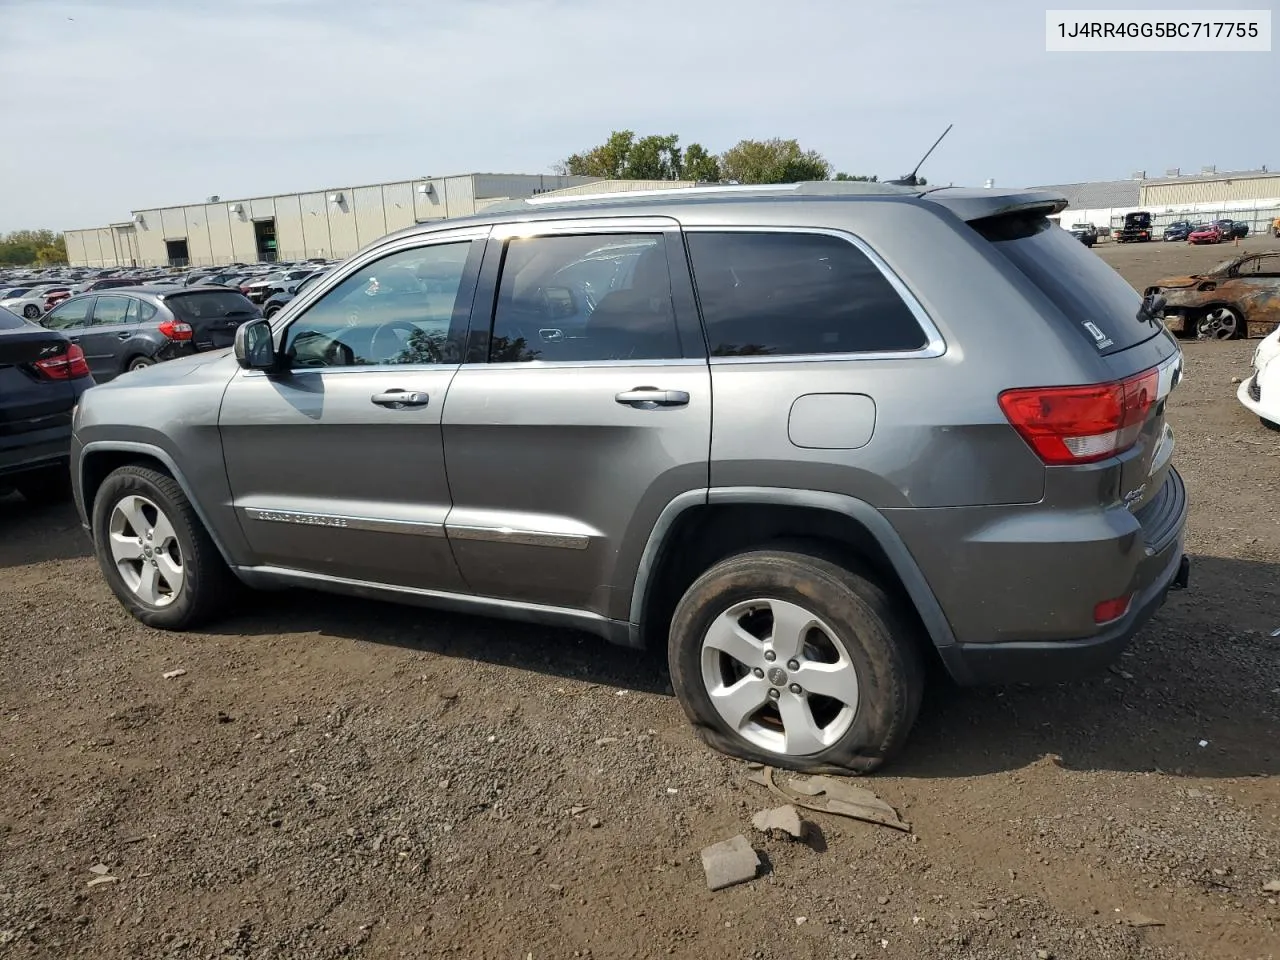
point(697, 531)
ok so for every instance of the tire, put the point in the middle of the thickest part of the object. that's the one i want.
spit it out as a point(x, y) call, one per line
point(31, 311)
point(204, 585)
point(271, 311)
point(1220, 323)
point(44, 488)
point(847, 615)
point(137, 363)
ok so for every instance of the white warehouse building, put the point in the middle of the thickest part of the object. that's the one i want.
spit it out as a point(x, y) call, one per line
point(331, 223)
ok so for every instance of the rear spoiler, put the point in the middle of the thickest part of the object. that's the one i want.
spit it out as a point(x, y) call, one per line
point(969, 203)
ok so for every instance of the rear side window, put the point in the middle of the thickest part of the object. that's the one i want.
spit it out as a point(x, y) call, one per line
point(1100, 304)
point(210, 304)
point(10, 321)
point(778, 294)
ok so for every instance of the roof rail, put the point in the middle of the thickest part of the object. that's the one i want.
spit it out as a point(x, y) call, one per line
point(809, 188)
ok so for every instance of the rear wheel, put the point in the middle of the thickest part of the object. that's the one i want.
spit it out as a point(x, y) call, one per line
point(1220, 323)
point(790, 659)
point(137, 363)
point(155, 554)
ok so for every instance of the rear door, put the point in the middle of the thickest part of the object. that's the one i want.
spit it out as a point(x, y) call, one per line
point(583, 409)
point(35, 408)
point(113, 322)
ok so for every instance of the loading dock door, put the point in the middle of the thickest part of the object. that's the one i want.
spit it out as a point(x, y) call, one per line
point(264, 235)
point(176, 251)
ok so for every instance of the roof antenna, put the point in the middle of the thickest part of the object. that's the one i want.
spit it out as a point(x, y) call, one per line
point(910, 179)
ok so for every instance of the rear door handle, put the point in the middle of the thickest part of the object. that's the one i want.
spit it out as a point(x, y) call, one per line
point(652, 397)
point(397, 399)
point(125, 336)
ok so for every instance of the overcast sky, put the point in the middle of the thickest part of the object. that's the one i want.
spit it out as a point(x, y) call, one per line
point(116, 105)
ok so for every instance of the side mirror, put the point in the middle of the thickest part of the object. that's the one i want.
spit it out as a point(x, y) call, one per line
point(255, 349)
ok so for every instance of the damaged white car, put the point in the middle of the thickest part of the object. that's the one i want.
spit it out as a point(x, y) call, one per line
point(1260, 392)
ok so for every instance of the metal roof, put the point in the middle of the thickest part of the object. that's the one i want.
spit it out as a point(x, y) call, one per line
point(1098, 195)
point(1216, 176)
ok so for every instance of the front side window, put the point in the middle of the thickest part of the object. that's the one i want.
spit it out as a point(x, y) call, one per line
point(68, 315)
point(111, 311)
point(397, 310)
point(780, 294)
point(580, 298)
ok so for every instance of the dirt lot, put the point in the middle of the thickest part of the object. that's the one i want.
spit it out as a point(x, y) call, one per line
point(335, 778)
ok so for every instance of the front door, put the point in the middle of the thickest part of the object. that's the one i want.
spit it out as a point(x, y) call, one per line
point(113, 323)
point(336, 463)
point(583, 410)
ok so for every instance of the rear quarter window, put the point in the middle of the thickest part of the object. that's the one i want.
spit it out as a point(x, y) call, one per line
point(796, 294)
point(1100, 304)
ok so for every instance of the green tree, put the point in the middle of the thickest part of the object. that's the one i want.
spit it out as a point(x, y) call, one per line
point(860, 178)
point(623, 157)
point(22, 247)
point(772, 161)
point(700, 165)
point(608, 160)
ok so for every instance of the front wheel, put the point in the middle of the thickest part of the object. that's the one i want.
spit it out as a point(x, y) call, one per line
point(1220, 323)
point(31, 311)
point(790, 659)
point(155, 554)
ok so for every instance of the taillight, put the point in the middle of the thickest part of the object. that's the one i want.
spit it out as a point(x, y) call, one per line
point(175, 330)
point(70, 366)
point(1082, 424)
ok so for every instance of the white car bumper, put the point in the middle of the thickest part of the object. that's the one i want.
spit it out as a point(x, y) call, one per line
point(1260, 392)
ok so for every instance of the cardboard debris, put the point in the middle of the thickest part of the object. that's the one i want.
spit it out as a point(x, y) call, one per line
point(830, 795)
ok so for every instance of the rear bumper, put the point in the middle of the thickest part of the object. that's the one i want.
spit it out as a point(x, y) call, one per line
point(1019, 588)
point(977, 664)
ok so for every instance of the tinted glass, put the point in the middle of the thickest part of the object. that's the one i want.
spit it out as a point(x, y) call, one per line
point(70, 313)
point(210, 305)
point(1076, 280)
point(584, 298)
point(397, 310)
point(11, 321)
point(776, 294)
point(110, 311)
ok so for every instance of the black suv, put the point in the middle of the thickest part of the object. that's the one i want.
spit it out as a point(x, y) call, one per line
point(42, 375)
point(134, 327)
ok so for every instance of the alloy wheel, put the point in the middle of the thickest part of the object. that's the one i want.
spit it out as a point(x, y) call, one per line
point(779, 677)
point(145, 550)
point(1218, 323)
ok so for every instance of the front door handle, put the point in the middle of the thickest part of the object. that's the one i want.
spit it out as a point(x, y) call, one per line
point(652, 397)
point(398, 399)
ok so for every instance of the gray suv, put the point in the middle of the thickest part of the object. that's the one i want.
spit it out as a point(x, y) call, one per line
point(808, 437)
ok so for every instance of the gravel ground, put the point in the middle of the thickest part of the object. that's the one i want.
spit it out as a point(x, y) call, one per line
point(339, 778)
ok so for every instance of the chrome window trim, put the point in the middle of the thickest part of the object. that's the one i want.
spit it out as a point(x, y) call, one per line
point(521, 229)
point(935, 344)
point(573, 364)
